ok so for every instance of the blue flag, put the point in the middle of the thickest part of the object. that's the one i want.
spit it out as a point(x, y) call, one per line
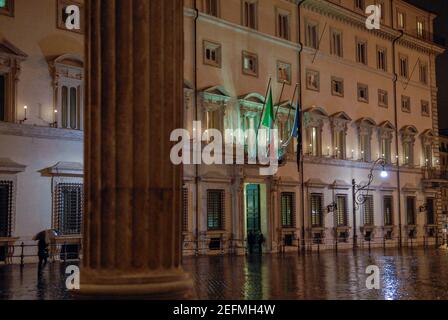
point(296, 128)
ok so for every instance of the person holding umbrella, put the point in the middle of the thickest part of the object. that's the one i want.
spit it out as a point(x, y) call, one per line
point(43, 239)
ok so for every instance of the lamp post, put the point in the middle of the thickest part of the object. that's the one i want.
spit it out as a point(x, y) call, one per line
point(360, 192)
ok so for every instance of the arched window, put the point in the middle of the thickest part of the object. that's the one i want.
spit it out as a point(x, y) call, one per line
point(68, 76)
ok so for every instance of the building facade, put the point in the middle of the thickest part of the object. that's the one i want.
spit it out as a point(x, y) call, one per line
point(365, 94)
point(41, 116)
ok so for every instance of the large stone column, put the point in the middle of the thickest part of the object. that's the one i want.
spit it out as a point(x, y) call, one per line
point(132, 229)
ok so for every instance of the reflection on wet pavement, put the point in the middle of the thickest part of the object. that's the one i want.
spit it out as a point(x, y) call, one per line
point(405, 274)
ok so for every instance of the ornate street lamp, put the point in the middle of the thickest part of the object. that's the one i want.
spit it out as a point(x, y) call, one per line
point(361, 192)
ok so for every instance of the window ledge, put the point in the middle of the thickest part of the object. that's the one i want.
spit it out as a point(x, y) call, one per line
point(33, 131)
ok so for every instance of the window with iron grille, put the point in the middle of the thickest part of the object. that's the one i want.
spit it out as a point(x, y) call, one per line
point(6, 217)
point(430, 217)
point(288, 209)
point(316, 210)
point(342, 215)
point(184, 209)
point(69, 208)
point(410, 210)
point(388, 210)
point(367, 209)
point(2, 97)
point(215, 209)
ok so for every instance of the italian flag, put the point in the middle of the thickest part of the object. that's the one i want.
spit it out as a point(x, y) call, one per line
point(268, 122)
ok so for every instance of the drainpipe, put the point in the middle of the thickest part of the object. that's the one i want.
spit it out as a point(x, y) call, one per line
point(196, 118)
point(300, 166)
point(395, 79)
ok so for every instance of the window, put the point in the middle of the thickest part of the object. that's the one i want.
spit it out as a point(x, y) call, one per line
point(337, 86)
point(314, 141)
point(410, 210)
point(6, 218)
point(212, 7)
point(336, 44)
point(382, 59)
point(405, 104)
point(339, 144)
point(404, 66)
point(425, 108)
point(250, 64)
point(367, 210)
point(288, 209)
point(68, 75)
point(185, 204)
point(312, 35)
point(383, 98)
point(214, 118)
point(401, 20)
point(71, 107)
point(365, 147)
point(250, 14)
point(63, 16)
point(386, 148)
point(430, 216)
point(316, 210)
point(69, 208)
point(388, 210)
point(423, 74)
point(427, 150)
point(212, 54)
point(360, 5)
point(361, 51)
point(363, 93)
point(341, 211)
point(420, 28)
point(2, 97)
point(283, 25)
point(7, 7)
point(283, 72)
point(408, 153)
point(215, 209)
point(312, 80)
point(381, 5)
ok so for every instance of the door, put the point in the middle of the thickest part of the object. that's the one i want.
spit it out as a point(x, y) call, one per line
point(253, 217)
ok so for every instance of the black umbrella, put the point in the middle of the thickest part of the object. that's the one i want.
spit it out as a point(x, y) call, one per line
point(45, 235)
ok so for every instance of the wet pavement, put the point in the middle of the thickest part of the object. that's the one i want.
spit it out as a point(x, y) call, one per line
point(405, 274)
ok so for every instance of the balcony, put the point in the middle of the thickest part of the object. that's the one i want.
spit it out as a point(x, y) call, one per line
point(427, 36)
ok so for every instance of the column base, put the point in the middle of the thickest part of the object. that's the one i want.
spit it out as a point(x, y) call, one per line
point(159, 286)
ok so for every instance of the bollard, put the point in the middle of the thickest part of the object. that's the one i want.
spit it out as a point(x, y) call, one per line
point(22, 255)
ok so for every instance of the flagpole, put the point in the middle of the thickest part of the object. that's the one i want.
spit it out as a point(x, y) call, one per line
point(279, 101)
point(289, 117)
point(264, 104)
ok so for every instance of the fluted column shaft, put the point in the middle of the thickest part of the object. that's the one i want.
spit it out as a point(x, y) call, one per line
point(132, 230)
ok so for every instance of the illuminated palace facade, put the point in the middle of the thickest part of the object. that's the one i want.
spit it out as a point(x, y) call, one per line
point(355, 111)
point(365, 95)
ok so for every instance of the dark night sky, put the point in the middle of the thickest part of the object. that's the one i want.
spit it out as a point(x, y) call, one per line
point(439, 7)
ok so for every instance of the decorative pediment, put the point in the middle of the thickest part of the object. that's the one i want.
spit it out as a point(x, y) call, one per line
point(8, 49)
point(254, 97)
point(409, 130)
point(387, 187)
point(386, 125)
point(366, 122)
point(342, 116)
point(410, 188)
point(70, 66)
point(9, 166)
point(66, 169)
point(317, 112)
point(340, 185)
point(187, 85)
point(217, 90)
point(316, 183)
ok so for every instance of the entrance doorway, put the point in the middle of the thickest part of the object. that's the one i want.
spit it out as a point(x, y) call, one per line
point(253, 219)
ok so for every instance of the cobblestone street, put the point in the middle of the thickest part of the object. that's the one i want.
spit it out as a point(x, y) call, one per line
point(406, 274)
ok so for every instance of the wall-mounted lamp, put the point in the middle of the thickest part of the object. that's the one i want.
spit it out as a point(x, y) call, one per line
point(25, 108)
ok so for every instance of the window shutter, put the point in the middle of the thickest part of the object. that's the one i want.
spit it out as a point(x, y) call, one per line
point(69, 208)
point(215, 209)
point(316, 210)
point(184, 209)
point(6, 217)
point(288, 209)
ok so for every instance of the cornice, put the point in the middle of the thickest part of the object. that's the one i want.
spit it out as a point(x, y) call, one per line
point(22, 130)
